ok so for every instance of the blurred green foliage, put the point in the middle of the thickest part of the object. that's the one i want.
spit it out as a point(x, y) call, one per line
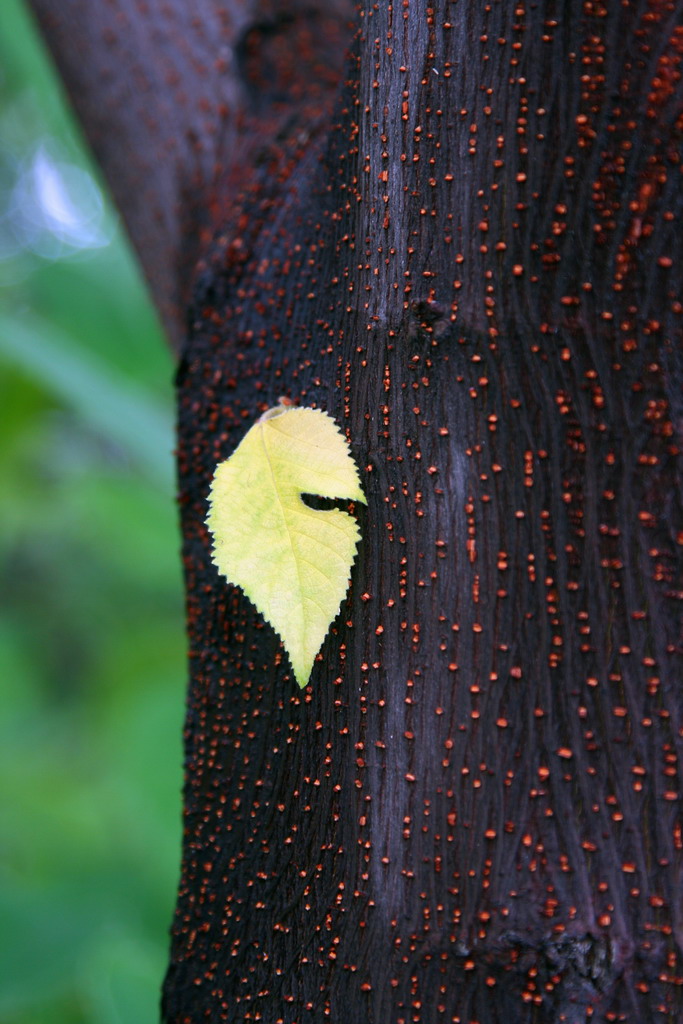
point(92, 641)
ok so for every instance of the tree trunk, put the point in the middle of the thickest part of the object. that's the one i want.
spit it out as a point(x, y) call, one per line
point(472, 261)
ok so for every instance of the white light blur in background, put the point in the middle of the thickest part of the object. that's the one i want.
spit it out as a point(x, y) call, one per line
point(55, 209)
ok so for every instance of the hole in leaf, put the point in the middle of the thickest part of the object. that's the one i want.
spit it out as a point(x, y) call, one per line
point(315, 501)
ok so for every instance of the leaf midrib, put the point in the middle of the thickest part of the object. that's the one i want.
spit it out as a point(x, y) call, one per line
point(284, 519)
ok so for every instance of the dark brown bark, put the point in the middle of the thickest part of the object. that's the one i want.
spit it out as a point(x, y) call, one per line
point(474, 264)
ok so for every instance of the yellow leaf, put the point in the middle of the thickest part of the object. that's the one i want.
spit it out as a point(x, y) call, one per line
point(292, 561)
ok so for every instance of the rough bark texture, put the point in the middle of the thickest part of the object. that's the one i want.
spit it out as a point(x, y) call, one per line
point(473, 261)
